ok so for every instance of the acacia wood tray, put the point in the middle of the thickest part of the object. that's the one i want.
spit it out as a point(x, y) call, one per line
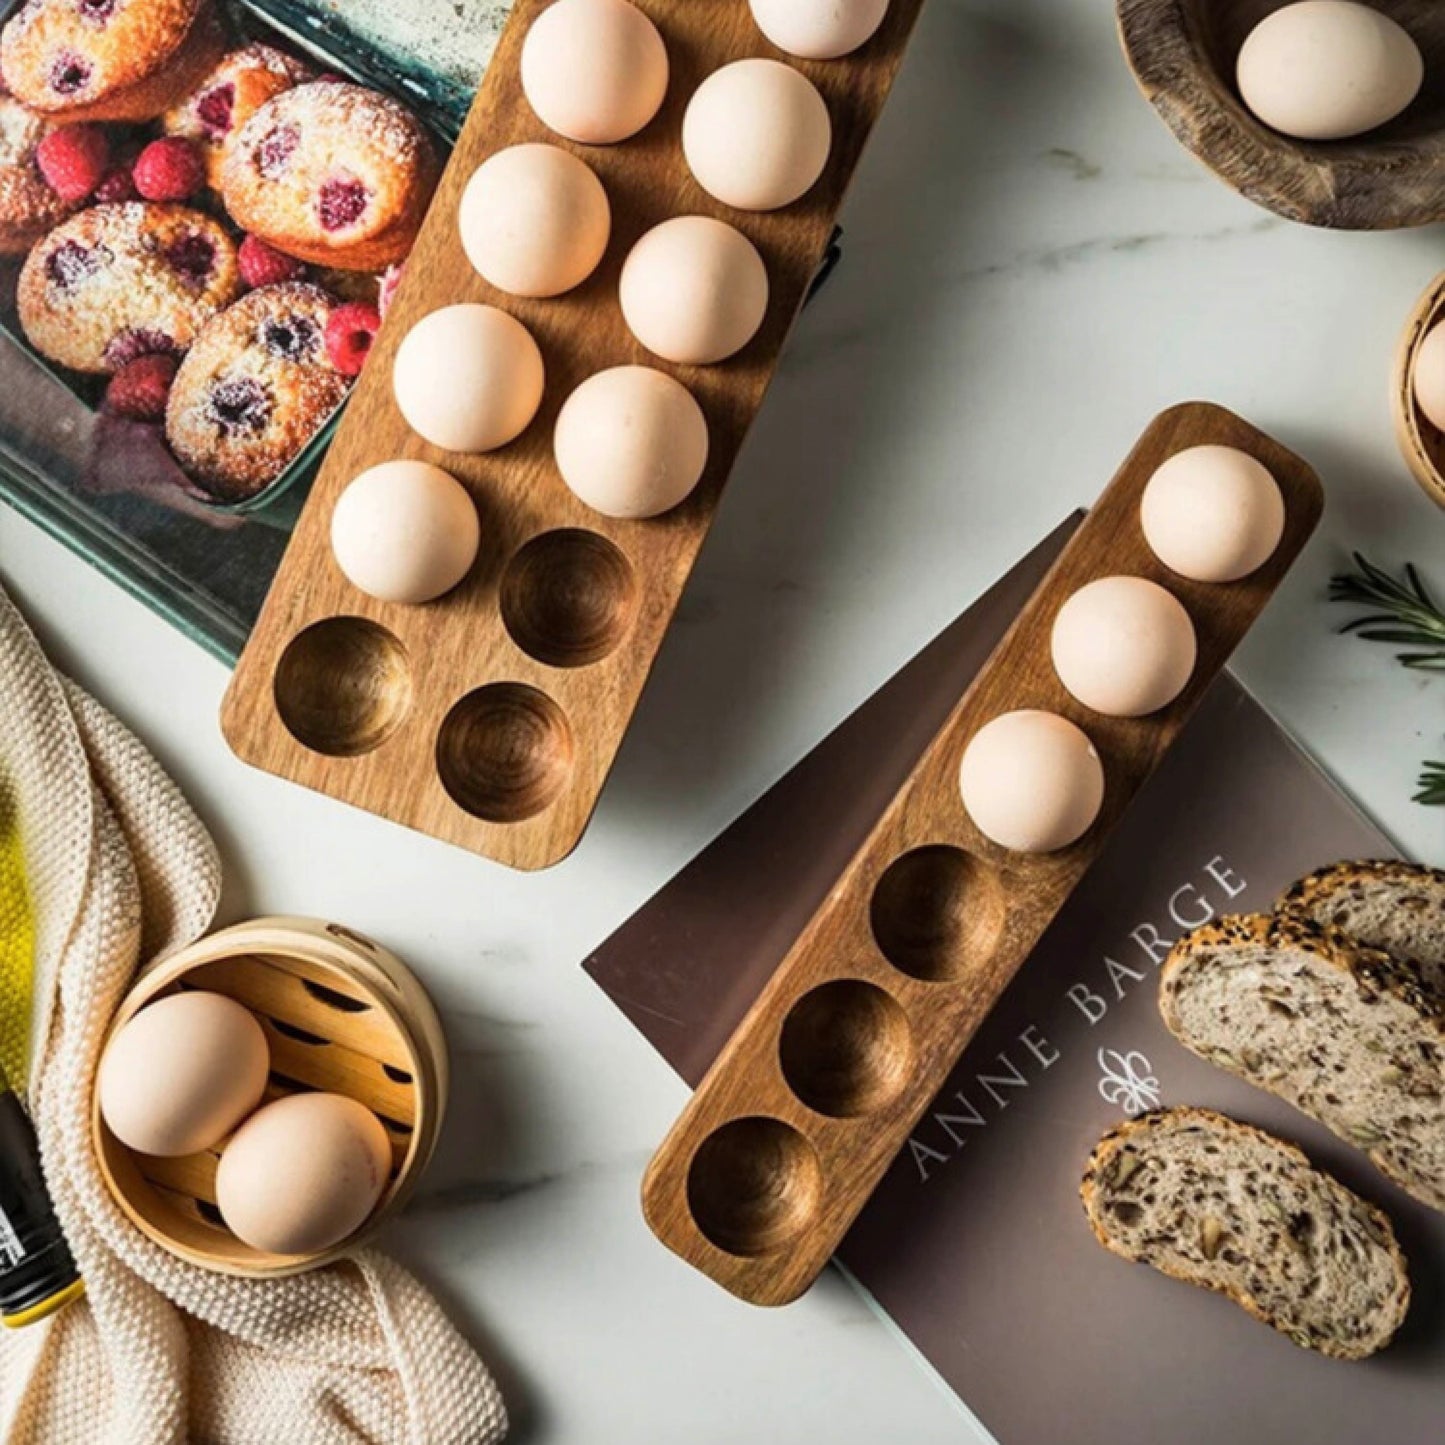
point(848, 1044)
point(491, 717)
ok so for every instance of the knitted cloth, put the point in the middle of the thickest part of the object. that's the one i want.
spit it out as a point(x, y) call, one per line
point(120, 871)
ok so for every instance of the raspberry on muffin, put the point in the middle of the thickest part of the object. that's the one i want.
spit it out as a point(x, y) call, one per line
point(332, 173)
point(226, 98)
point(28, 206)
point(120, 281)
point(253, 390)
point(108, 59)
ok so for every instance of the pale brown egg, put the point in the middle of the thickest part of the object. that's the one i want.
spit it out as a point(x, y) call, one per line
point(1031, 781)
point(1123, 646)
point(631, 442)
point(303, 1173)
point(756, 134)
point(180, 1075)
point(534, 220)
point(594, 71)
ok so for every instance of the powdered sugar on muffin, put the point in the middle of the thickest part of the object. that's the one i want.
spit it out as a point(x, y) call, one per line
point(253, 390)
point(108, 59)
point(229, 96)
point(119, 281)
point(333, 173)
point(28, 207)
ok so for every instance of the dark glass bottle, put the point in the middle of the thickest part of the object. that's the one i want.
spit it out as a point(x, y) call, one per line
point(37, 1274)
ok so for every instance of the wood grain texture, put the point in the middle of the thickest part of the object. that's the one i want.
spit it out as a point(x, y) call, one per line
point(844, 1050)
point(1183, 54)
point(1422, 443)
point(340, 1014)
point(566, 639)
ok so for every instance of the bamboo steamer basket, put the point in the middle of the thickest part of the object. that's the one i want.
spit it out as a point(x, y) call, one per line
point(340, 1014)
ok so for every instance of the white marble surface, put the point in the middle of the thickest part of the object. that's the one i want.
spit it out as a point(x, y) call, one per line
point(1033, 269)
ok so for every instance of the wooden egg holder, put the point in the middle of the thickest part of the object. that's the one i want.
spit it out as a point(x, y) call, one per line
point(340, 1014)
point(851, 1040)
point(1422, 443)
point(1183, 54)
point(491, 717)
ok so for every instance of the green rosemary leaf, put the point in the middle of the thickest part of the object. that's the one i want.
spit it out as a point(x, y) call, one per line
point(1432, 785)
point(1406, 612)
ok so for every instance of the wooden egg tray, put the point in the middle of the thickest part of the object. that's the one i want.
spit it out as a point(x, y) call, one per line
point(340, 1014)
point(1422, 444)
point(492, 716)
point(1183, 54)
point(845, 1049)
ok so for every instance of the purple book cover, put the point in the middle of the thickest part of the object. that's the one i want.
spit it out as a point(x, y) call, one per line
point(975, 1244)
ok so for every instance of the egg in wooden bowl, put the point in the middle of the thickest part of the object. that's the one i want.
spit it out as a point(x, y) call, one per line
point(1327, 112)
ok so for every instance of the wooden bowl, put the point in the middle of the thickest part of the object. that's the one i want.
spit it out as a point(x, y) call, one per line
point(340, 1014)
point(1422, 444)
point(1183, 54)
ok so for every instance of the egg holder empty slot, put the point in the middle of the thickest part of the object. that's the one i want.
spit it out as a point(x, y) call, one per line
point(1422, 444)
point(821, 1083)
point(491, 717)
point(1183, 55)
point(340, 1014)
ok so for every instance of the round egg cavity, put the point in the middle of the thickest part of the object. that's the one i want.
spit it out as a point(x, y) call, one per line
point(594, 71)
point(302, 1174)
point(405, 531)
point(756, 135)
point(534, 220)
point(1427, 377)
point(181, 1074)
point(631, 442)
point(818, 29)
point(1123, 646)
point(1031, 781)
point(468, 378)
point(694, 290)
point(1212, 514)
point(1325, 70)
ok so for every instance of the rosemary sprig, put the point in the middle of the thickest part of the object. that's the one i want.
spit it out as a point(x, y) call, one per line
point(1408, 615)
point(1432, 784)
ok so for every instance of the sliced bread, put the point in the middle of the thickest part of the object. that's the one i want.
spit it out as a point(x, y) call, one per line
point(1220, 1204)
point(1399, 907)
point(1350, 1035)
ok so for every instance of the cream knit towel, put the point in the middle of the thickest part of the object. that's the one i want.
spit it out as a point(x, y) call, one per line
point(120, 870)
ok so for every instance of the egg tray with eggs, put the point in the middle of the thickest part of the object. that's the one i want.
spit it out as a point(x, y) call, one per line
point(1328, 112)
point(476, 590)
point(822, 1082)
point(269, 1095)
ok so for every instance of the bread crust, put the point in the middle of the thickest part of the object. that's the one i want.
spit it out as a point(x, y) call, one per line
point(1374, 973)
point(1130, 1130)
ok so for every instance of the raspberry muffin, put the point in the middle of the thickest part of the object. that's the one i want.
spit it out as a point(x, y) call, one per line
point(332, 173)
point(108, 59)
point(227, 98)
point(28, 207)
point(253, 390)
point(119, 281)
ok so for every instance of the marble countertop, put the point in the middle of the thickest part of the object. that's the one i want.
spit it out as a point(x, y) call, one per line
point(1033, 268)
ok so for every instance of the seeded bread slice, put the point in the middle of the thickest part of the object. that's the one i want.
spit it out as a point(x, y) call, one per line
point(1399, 907)
point(1223, 1205)
point(1350, 1035)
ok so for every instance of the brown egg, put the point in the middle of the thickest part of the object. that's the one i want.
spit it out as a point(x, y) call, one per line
point(180, 1075)
point(303, 1173)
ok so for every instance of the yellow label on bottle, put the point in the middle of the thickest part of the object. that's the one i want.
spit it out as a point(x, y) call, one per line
point(17, 946)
